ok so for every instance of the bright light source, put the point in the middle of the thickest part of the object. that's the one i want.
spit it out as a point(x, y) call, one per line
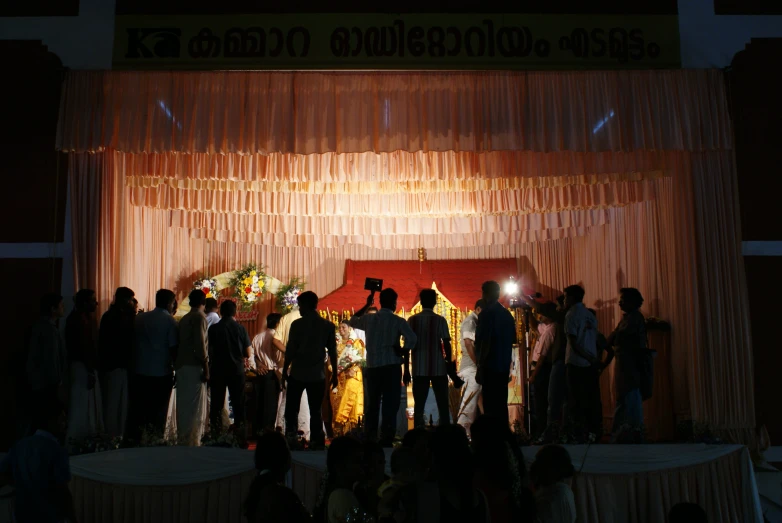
point(511, 287)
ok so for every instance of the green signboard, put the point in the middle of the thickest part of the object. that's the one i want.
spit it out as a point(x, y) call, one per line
point(379, 41)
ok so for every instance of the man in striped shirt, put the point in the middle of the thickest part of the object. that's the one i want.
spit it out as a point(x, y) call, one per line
point(429, 358)
point(383, 371)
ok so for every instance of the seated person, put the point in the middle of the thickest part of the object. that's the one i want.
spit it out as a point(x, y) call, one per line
point(551, 474)
point(406, 470)
point(269, 500)
point(38, 469)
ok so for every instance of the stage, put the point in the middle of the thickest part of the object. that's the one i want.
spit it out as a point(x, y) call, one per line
point(615, 483)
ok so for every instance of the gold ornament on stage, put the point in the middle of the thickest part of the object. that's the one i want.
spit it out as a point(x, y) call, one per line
point(421, 254)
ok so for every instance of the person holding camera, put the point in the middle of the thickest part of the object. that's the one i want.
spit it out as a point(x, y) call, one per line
point(383, 373)
point(192, 372)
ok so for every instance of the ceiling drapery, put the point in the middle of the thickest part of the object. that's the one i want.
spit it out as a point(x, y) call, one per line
point(607, 179)
point(314, 113)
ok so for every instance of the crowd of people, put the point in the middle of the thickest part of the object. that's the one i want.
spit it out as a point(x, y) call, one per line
point(120, 378)
point(568, 358)
point(436, 475)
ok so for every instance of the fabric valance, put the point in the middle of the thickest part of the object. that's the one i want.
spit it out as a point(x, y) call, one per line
point(315, 112)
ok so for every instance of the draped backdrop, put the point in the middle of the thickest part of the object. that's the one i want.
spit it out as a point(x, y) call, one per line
point(607, 179)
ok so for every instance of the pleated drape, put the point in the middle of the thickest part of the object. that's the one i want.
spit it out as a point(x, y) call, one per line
point(607, 179)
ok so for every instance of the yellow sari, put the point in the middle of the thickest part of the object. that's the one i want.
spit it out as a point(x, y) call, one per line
point(348, 403)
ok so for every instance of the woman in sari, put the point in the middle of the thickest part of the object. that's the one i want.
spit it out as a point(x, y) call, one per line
point(347, 400)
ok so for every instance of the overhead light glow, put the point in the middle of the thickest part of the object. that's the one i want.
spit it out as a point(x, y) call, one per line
point(602, 122)
point(511, 287)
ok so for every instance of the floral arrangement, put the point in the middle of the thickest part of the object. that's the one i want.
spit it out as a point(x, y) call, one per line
point(286, 295)
point(248, 284)
point(522, 437)
point(350, 357)
point(691, 431)
point(92, 444)
point(225, 440)
point(628, 434)
point(207, 285)
point(151, 437)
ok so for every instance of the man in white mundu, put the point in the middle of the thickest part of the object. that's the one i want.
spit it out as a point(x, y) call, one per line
point(192, 372)
point(280, 342)
point(468, 410)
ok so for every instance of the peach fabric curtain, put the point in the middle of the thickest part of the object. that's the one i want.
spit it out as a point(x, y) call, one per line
point(605, 179)
point(312, 112)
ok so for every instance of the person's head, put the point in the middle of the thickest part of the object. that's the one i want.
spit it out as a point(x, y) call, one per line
point(630, 299)
point(123, 298)
point(405, 466)
point(552, 465)
point(345, 461)
point(85, 301)
point(272, 320)
point(374, 463)
point(547, 312)
point(479, 306)
point(197, 299)
point(308, 301)
point(491, 291)
point(272, 463)
point(344, 329)
point(210, 305)
point(388, 299)
point(228, 309)
point(272, 455)
point(53, 418)
point(52, 306)
point(175, 307)
point(418, 440)
point(561, 301)
point(428, 298)
point(372, 310)
point(497, 455)
point(450, 441)
point(687, 513)
point(573, 294)
point(165, 299)
point(134, 305)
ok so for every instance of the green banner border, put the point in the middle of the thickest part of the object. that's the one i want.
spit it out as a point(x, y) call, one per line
point(397, 42)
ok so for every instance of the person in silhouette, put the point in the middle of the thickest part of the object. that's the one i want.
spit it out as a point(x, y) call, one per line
point(310, 338)
point(494, 341)
point(383, 372)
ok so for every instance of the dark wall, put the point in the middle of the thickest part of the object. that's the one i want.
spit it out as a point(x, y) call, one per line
point(172, 7)
point(35, 182)
point(756, 107)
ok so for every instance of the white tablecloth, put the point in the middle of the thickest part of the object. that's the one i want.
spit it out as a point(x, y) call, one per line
point(628, 483)
point(614, 483)
point(165, 484)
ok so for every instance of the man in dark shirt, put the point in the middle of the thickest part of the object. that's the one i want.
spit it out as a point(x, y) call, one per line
point(431, 356)
point(81, 342)
point(632, 359)
point(309, 337)
point(494, 341)
point(115, 350)
point(229, 346)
